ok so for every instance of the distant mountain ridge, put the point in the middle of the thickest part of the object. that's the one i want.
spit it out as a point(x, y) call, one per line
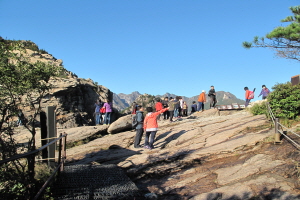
point(123, 101)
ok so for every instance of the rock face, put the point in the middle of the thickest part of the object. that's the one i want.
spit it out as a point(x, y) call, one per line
point(73, 97)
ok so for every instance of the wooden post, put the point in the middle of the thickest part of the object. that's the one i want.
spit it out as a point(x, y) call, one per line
point(64, 142)
point(277, 134)
point(51, 134)
point(43, 120)
point(59, 151)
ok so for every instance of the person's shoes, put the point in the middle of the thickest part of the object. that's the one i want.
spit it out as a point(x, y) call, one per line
point(146, 147)
point(138, 147)
point(151, 148)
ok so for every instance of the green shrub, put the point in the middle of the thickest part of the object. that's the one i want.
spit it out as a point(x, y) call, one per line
point(285, 100)
point(259, 109)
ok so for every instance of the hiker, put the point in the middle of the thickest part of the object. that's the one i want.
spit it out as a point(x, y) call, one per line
point(158, 107)
point(151, 126)
point(98, 115)
point(20, 117)
point(180, 111)
point(264, 92)
point(108, 109)
point(201, 101)
point(139, 128)
point(212, 96)
point(133, 108)
point(193, 107)
point(165, 105)
point(247, 96)
point(184, 109)
point(171, 106)
point(176, 108)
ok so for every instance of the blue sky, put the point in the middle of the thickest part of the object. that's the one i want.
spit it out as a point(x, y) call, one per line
point(156, 46)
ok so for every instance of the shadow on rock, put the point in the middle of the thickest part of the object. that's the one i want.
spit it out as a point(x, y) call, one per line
point(113, 155)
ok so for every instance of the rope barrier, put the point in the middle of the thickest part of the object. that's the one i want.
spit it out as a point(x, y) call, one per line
point(289, 129)
point(272, 116)
point(296, 144)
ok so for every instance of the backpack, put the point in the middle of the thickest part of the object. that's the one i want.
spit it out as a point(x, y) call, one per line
point(251, 95)
point(134, 121)
point(102, 110)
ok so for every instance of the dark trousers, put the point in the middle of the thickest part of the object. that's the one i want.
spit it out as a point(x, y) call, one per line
point(107, 118)
point(166, 115)
point(138, 137)
point(213, 101)
point(184, 112)
point(152, 137)
point(171, 113)
point(180, 114)
point(247, 102)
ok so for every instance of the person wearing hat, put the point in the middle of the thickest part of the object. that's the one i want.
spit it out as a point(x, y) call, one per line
point(212, 96)
point(264, 92)
point(201, 101)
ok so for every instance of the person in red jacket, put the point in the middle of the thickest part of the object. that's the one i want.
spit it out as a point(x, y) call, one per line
point(151, 126)
point(158, 107)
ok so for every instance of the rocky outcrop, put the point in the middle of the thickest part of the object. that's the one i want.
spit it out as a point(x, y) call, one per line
point(73, 97)
point(122, 124)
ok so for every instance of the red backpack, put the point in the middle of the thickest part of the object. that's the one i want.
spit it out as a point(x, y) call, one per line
point(251, 95)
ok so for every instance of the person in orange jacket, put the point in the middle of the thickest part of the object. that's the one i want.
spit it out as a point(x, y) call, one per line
point(201, 101)
point(247, 98)
point(151, 126)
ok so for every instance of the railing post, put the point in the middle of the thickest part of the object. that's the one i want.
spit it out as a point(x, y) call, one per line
point(59, 150)
point(51, 134)
point(64, 142)
point(277, 134)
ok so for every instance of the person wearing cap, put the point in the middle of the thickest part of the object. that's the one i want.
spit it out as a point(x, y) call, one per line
point(201, 101)
point(264, 92)
point(212, 96)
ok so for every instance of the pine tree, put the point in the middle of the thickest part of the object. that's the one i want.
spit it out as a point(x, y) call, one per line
point(284, 40)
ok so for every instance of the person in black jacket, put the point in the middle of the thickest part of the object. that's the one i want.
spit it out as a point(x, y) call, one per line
point(165, 105)
point(212, 96)
point(139, 128)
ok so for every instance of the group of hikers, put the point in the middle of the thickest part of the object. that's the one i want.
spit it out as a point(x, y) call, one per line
point(169, 108)
point(103, 108)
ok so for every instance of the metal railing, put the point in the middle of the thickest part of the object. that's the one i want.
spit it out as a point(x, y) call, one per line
point(61, 159)
point(279, 129)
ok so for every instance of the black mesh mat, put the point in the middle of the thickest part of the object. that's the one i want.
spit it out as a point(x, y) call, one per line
point(94, 182)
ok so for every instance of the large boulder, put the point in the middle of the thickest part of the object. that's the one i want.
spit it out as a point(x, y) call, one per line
point(122, 124)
